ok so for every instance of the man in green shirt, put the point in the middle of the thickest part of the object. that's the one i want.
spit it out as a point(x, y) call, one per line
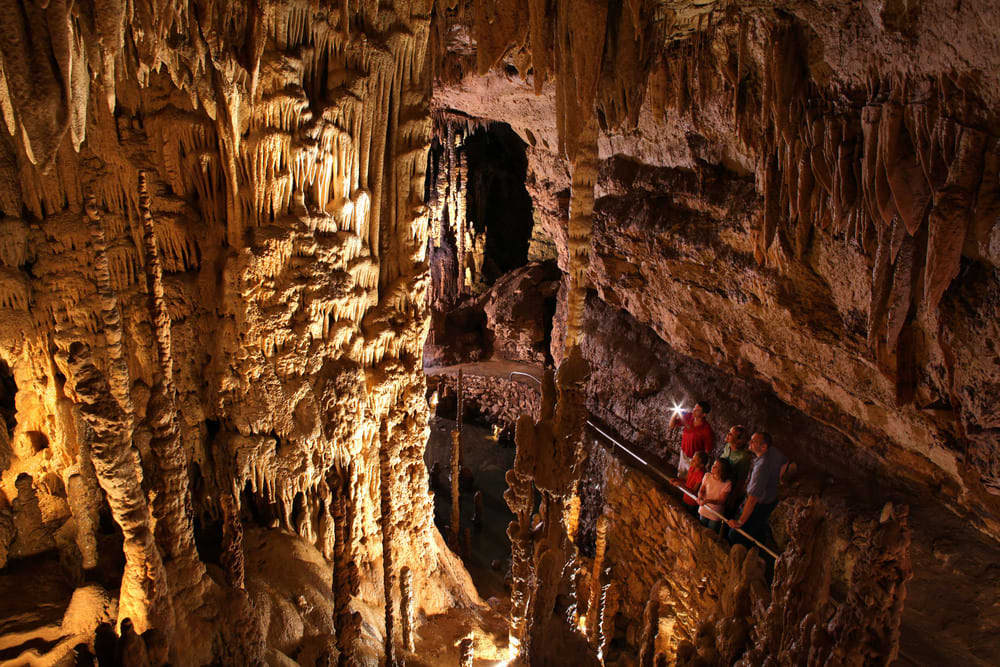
point(739, 457)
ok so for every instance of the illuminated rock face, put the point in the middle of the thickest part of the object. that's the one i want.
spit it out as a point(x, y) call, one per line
point(799, 195)
point(214, 291)
point(242, 332)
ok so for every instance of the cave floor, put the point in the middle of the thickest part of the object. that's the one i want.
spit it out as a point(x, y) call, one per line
point(488, 460)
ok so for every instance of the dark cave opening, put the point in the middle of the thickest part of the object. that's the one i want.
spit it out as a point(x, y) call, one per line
point(8, 391)
point(498, 202)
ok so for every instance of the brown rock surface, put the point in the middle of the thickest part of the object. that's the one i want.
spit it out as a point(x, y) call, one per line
point(217, 254)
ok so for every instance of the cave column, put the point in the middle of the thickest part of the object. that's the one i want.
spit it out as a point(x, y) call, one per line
point(172, 500)
point(385, 464)
point(346, 576)
point(105, 408)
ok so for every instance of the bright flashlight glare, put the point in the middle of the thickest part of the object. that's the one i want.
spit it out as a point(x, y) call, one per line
point(678, 408)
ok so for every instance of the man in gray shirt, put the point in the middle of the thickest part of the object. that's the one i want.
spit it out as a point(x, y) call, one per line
point(762, 490)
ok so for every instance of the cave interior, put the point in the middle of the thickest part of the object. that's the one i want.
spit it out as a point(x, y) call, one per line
point(359, 333)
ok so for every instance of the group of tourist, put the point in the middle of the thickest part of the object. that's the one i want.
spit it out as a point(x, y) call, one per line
point(740, 488)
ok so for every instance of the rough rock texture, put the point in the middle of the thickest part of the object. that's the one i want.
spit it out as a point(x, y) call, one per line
point(788, 283)
point(799, 199)
point(519, 310)
point(213, 291)
point(512, 320)
point(489, 392)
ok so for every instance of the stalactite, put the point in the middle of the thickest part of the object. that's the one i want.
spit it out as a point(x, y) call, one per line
point(580, 223)
point(119, 379)
point(951, 215)
point(37, 67)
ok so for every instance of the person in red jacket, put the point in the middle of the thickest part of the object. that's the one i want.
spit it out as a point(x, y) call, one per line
point(697, 435)
point(695, 474)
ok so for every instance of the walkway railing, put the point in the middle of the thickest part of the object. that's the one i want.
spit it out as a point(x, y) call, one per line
point(656, 470)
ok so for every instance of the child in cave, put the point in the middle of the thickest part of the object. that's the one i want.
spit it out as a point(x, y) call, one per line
point(695, 474)
point(715, 489)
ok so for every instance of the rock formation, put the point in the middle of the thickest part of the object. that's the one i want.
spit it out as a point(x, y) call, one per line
point(213, 300)
point(232, 235)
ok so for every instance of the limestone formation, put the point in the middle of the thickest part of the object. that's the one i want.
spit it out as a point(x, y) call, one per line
point(235, 238)
point(406, 608)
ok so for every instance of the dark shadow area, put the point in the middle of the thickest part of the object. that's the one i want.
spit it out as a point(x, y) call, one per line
point(8, 389)
point(483, 544)
point(497, 201)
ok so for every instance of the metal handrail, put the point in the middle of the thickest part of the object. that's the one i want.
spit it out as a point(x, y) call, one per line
point(527, 375)
point(650, 466)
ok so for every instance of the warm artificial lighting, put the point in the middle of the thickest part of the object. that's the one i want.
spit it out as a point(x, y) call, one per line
point(514, 648)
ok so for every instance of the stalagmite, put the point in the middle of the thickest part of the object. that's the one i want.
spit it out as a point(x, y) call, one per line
point(593, 621)
point(232, 544)
point(650, 627)
point(406, 608)
point(346, 578)
point(144, 591)
point(388, 535)
point(84, 502)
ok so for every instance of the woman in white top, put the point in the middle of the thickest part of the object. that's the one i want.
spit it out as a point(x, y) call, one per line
point(713, 492)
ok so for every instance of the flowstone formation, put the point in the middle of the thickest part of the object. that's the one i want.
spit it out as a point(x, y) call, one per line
point(213, 308)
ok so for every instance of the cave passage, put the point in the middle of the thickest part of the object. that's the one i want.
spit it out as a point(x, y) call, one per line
point(498, 203)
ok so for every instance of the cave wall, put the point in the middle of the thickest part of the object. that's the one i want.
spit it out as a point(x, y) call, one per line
point(213, 290)
point(824, 217)
point(800, 203)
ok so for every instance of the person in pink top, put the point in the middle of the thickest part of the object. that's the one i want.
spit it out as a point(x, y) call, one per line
point(697, 435)
point(713, 493)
